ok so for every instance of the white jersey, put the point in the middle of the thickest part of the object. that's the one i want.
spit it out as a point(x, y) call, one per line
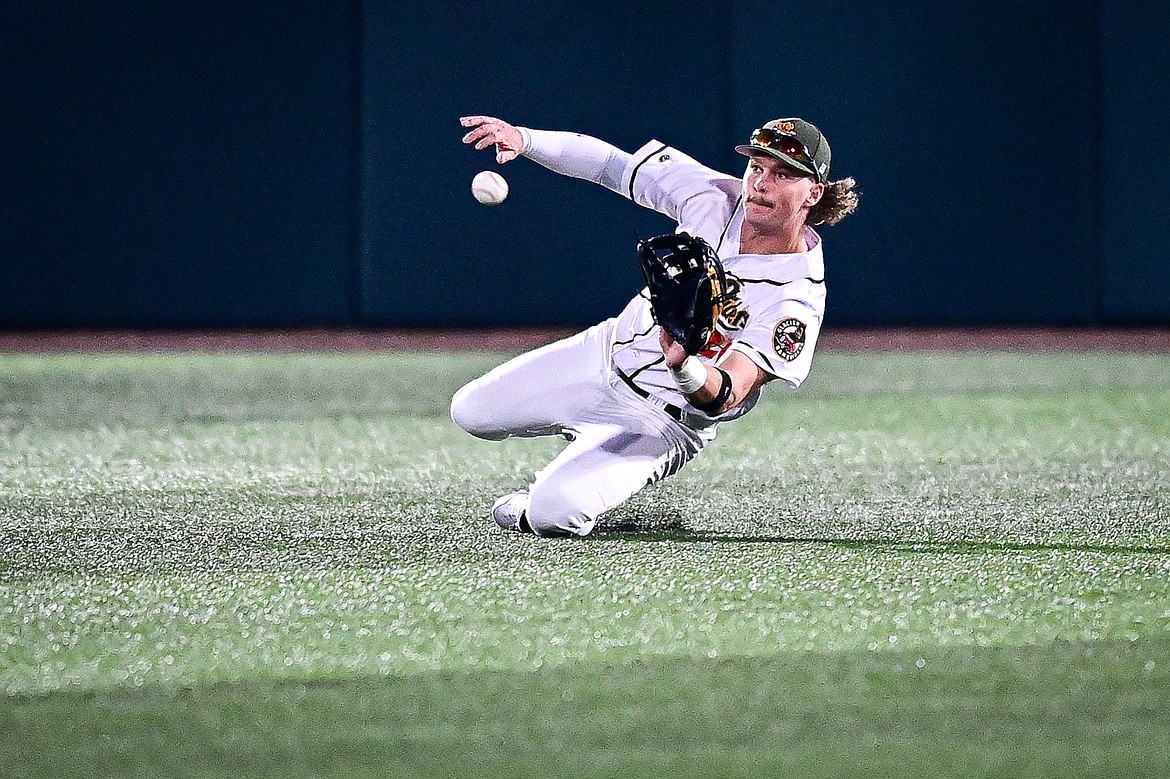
point(778, 299)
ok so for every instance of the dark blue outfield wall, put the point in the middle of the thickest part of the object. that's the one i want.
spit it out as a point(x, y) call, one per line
point(226, 164)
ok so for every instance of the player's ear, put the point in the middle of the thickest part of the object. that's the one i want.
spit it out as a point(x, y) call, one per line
point(815, 193)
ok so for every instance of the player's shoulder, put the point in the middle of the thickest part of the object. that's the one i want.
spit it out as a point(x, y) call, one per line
point(656, 159)
point(657, 152)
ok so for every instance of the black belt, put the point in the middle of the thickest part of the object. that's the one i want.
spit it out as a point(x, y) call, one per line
point(673, 410)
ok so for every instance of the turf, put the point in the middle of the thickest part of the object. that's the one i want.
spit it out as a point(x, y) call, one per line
point(279, 565)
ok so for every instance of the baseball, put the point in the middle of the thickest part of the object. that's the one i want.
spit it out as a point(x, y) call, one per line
point(489, 188)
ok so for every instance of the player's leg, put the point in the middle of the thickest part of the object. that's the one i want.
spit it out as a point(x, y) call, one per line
point(602, 468)
point(536, 393)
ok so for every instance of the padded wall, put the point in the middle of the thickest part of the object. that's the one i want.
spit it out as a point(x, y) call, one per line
point(178, 164)
point(1135, 174)
point(262, 164)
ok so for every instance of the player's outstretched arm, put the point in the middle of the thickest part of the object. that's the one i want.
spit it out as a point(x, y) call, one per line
point(488, 131)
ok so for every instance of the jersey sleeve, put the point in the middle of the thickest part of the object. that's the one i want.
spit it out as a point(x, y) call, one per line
point(781, 338)
point(664, 179)
point(576, 155)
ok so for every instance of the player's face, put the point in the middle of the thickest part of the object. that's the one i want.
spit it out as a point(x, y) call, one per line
point(776, 192)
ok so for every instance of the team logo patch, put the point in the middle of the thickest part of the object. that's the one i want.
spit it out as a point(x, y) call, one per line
point(788, 339)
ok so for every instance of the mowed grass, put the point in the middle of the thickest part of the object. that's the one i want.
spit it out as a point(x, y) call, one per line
point(281, 565)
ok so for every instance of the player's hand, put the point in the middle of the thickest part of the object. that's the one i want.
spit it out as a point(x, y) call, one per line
point(488, 131)
point(672, 350)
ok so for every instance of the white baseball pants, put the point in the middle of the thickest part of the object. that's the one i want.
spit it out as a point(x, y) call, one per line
point(619, 442)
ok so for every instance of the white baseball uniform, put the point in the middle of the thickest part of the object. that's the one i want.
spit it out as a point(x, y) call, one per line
point(607, 389)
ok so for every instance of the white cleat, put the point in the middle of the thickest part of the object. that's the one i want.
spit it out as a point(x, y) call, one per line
point(508, 512)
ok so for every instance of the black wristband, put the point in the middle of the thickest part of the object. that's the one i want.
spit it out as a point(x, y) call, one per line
point(712, 408)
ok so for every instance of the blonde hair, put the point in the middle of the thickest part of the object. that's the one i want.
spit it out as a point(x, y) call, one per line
point(839, 201)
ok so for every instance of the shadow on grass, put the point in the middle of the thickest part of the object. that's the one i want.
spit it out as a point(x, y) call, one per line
point(674, 529)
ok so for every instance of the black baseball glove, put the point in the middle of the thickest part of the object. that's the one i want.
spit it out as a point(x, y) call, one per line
point(687, 287)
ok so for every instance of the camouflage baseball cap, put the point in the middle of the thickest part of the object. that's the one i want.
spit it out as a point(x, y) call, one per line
point(794, 141)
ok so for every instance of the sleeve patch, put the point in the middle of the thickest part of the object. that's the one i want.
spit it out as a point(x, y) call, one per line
point(788, 338)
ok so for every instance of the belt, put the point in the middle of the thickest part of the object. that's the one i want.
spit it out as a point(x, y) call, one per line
point(675, 412)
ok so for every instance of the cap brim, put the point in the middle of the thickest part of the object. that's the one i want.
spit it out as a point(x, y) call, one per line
point(748, 150)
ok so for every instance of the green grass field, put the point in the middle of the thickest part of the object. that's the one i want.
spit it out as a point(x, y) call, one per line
point(921, 564)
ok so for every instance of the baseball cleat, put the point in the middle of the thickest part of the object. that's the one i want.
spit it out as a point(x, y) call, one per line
point(508, 512)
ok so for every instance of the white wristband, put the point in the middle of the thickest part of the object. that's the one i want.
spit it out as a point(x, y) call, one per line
point(690, 376)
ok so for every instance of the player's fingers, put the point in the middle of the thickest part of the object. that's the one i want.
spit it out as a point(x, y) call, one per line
point(472, 121)
point(475, 133)
point(493, 130)
point(487, 131)
point(671, 349)
point(481, 138)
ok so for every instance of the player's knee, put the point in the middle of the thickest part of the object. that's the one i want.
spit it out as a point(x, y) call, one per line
point(553, 513)
point(473, 415)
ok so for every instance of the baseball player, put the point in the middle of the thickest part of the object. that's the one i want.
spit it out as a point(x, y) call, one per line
point(633, 404)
